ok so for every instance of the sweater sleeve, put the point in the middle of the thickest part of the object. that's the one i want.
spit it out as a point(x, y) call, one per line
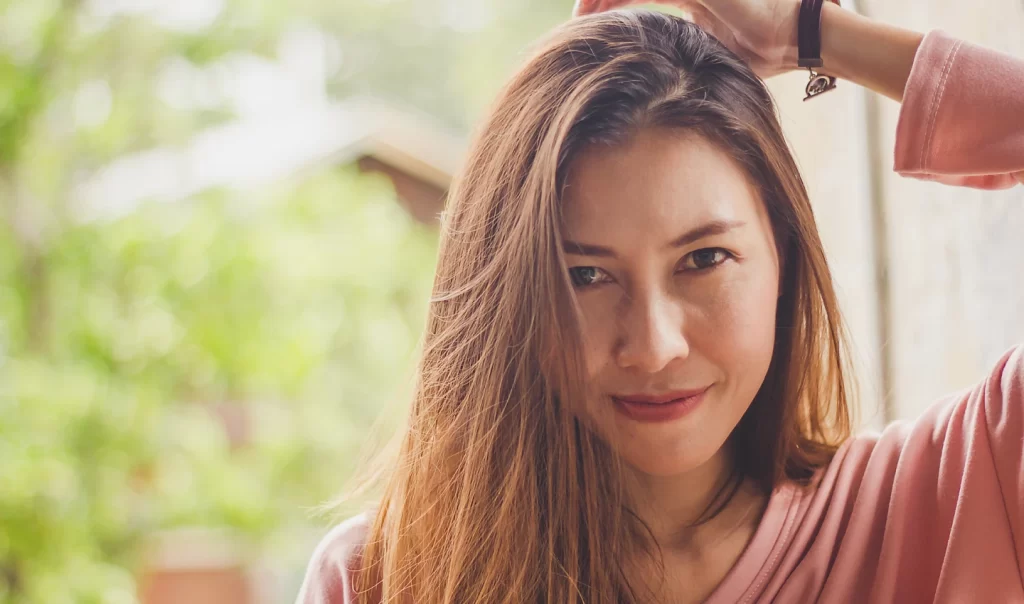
point(962, 117)
point(960, 494)
point(933, 509)
point(1004, 422)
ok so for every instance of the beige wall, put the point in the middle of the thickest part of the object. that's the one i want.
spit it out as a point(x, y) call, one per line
point(954, 257)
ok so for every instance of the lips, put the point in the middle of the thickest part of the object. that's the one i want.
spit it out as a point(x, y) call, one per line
point(661, 407)
point(660, 399)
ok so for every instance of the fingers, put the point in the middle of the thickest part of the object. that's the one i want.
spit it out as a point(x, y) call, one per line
point(585, 7)
point(703, 19)
point(706, 21)
point(589, 7)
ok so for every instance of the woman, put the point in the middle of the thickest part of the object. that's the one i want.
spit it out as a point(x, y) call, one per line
point(632, 387)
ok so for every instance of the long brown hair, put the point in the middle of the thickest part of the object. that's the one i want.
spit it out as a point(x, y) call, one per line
point(498, 493)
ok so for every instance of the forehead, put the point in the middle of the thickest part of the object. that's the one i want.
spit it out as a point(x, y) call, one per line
point(654, 185)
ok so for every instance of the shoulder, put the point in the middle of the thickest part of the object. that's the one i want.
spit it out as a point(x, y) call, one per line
point(958, 414)
point(1007, 379)
point(328, 577)
point(915, 454)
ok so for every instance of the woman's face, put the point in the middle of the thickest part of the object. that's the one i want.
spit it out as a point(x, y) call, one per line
point(675, 268)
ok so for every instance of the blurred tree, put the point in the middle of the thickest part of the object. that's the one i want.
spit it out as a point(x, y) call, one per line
point(124, 341)
point(301, 307)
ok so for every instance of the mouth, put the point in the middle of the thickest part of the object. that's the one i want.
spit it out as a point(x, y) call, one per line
point(659, 408)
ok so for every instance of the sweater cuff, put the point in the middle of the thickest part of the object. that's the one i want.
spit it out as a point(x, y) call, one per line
point(922, 98)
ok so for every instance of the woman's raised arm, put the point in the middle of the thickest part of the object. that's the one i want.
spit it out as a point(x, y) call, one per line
point(962, 115)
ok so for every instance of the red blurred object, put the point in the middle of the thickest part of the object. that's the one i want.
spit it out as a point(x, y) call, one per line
point(195, 566)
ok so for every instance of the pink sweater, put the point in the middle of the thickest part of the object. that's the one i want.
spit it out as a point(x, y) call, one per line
point(927, 511)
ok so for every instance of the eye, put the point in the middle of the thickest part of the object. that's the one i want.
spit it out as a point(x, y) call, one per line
point(587, 276)
point(705, 259)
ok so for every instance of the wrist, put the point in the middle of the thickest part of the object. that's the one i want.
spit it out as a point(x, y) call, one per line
point(809, 44)
point(791, 51)
point(835, 25)
point(866, 52)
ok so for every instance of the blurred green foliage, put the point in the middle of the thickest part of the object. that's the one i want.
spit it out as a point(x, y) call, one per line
point(161, 322)
point(131, 346)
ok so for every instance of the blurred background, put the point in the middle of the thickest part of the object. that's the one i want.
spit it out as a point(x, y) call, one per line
point(218, 223)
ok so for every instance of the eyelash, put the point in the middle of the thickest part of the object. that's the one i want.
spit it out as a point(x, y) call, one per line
point(727, 256)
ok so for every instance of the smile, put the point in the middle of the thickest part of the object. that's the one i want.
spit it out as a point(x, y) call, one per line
point(660, 408)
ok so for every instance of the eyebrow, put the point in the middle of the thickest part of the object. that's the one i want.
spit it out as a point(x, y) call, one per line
point(715, 227)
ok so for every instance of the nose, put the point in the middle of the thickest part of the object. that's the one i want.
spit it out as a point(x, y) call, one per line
point(651, 334)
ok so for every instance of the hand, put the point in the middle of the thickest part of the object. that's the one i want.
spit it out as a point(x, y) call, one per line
point(762, 32)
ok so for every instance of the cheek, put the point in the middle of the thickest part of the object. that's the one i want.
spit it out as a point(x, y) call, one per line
point(598, 329)
point(738, 334)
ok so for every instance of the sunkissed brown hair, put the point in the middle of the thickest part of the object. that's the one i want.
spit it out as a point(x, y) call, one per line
point(499, 493)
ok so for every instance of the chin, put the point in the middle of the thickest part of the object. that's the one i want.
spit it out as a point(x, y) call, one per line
point(647, 461)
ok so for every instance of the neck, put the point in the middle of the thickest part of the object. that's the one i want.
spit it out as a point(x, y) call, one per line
point(675, 508)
